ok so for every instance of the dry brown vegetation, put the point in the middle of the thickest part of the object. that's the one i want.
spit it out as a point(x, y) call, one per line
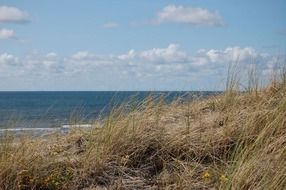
point(231, 141)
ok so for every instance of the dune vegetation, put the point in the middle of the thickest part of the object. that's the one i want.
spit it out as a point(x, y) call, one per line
point(235, 140)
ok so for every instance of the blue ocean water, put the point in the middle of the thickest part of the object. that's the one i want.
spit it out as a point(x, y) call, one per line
point(55, 109)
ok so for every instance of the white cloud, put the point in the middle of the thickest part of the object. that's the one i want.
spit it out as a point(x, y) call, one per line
point(7, 33)
point(81, 55)
point(188, 15)
point(230, 54)
point(129, 55)
point(51, 55)
point(157, 68)
point(172, 61)
point(240, 54)
point(110, 25)
point(13, 14)
point(171, 54)
point(8, 59)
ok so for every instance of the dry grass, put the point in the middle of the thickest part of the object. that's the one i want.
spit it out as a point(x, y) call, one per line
point(231, 141)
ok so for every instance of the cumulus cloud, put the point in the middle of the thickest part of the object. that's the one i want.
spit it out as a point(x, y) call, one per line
point(110, 25)
point(13, 15)
point(81, 55)
point(175, 56)
point(8, 59)
point(168, 66)
point(51, 55)
point(188, 15)
point(7, 34)
point(171, 54)
point(228, 55)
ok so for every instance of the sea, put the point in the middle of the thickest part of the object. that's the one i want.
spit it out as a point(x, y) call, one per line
point(58, 111)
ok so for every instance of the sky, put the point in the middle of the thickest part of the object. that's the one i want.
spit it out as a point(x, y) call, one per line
point(148, 45)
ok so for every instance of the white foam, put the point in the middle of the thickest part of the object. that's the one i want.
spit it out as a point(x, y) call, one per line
point(28, 129)
point(63, 129)
point(76, 126)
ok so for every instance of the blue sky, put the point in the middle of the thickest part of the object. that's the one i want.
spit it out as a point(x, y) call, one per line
point(135, 45)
